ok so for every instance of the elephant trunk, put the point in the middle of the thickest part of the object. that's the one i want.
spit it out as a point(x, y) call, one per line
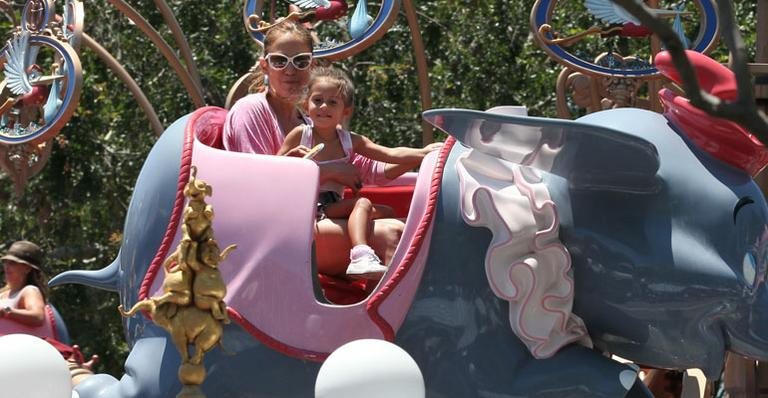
point(106, 278)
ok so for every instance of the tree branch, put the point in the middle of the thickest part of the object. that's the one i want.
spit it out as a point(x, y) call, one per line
point(743, 110)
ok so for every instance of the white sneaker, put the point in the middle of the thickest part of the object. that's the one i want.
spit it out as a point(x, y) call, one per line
point(365, 264)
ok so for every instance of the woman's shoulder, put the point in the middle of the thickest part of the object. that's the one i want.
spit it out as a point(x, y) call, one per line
point(249, 108)
point(251, 112)
point(251, 101)
point(31, 289)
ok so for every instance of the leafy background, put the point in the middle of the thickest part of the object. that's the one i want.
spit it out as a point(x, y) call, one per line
point(480, 54)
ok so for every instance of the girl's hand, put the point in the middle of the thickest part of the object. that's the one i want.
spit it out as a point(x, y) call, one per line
point(298, 151)
point(431, 147)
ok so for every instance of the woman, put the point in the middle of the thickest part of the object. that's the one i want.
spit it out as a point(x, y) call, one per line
point(22, 299)
point(258, 123)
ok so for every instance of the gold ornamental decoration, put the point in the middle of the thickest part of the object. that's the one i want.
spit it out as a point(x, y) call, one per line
point(191, 307)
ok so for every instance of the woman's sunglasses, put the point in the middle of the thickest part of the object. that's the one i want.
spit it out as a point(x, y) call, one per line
point(279, 61)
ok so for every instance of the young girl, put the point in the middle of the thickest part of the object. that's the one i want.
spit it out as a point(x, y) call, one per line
point(328, 104)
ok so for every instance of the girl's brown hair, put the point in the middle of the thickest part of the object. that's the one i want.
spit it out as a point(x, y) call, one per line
point(279, 29)
point(334, 76)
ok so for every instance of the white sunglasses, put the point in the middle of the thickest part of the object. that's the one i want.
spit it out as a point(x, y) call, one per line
point(279, 61)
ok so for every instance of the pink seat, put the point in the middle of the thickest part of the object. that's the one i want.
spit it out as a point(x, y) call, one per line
point(208, 124)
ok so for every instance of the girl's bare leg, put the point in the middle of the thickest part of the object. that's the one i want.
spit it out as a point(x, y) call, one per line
point(360, 212)
point(332, 242)
point(360, 222)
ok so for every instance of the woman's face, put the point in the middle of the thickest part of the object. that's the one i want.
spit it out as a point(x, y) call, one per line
point(288, 82)
point(15, 273)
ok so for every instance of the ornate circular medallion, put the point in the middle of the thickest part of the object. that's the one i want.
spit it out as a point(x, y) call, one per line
point(341, 32)
point(697, 18)
point(37, 14)
point(41, 88)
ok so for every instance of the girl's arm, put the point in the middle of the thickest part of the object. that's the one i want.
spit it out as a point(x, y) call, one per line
point(398, 155)
point(394, 170)
point(292, 144)
point(344, 174)
point(404, 159)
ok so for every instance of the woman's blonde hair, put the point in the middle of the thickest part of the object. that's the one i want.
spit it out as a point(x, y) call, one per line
point(279, 29)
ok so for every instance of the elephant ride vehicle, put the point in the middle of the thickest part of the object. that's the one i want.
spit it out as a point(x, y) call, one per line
point(532, 249)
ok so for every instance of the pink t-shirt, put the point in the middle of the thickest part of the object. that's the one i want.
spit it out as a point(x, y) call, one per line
point(252, 127)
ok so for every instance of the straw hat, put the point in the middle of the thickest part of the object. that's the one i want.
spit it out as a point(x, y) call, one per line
point(25, 252)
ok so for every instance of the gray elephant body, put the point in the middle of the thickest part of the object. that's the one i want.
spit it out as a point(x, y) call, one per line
point(658, 233)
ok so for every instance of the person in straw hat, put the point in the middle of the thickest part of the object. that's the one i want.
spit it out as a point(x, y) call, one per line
point(22, 299)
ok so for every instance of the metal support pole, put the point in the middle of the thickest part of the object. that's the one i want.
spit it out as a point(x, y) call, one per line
point(761, 55)
point(421, 68)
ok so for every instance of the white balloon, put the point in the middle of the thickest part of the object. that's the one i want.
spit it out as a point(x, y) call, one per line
point(32, 368)
point(369, 368)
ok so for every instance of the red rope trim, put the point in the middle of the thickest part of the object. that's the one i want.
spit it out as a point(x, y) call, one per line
point(178, 204)
point(52, 322)
point(276, 345)
point(413, 250)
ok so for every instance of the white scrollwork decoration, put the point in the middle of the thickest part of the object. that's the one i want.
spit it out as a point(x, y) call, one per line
point(526, 264)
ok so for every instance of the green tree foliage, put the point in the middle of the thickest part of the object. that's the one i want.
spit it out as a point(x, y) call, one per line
point(480, 54)
point(76, 207)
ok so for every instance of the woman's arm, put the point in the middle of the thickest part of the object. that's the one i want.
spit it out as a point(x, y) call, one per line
point(342, 173)
point(31, 311)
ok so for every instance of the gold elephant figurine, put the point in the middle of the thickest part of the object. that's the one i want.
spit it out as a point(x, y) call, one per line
point(209, 287)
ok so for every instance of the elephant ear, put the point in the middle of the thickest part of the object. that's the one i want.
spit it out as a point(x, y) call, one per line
point(588, 156)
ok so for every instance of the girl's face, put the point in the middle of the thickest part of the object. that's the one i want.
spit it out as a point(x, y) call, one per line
point(289, 82)
point(15, 273)
point(325, 105)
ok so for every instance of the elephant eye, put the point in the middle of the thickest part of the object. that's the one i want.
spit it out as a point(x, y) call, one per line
point(740, 204)
point(749, 266)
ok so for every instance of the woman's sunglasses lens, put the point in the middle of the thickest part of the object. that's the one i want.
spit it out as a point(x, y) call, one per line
point(302, 62)
point(278, 61)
